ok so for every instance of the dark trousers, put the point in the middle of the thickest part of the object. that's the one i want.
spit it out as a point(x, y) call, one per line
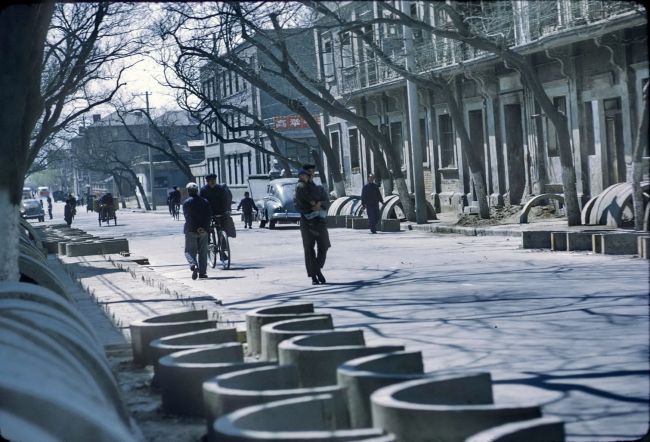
point(248, 219)
point(314, 234)
point(373, 216)
point(196, 244)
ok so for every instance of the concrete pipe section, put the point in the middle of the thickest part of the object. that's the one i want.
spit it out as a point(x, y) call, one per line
point(37, 272)
point(189, 341)
point(317, 356)
point(181, 375)
point(447, 408)
point(336, 208)
point(273, 334)
point(304, 419)
point(544, 429)
point(55, 382)
point(363, 376)
point(229, 392)
point(257, 318)
point(147, 330)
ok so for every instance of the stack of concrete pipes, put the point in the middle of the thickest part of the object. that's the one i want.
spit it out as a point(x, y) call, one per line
point(64, 240)
point(300, 379)
point(55, 381)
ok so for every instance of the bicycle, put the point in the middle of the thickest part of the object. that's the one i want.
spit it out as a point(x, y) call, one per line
point(218, 245)
point(176, 210)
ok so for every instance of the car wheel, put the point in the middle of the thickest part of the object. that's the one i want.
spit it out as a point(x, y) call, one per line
point(41, 219)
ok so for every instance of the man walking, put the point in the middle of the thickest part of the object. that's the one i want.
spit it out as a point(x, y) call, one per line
point(196, 211)
point(311, 198)
point(247, 205)
point(49, 206)
point(370, 199)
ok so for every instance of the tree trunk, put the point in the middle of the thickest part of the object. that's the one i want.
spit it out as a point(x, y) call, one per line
point(637, 165)
point(22, 37)
point(399, 181)
point(467, 147)
point(560, 122)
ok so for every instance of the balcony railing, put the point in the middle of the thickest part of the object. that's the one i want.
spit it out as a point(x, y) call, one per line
point(512, 23)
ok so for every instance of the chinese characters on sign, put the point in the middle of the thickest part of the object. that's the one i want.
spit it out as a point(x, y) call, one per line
point(287, 122)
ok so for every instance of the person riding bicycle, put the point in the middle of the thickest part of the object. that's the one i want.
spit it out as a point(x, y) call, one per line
point(106, 205)
point(174, 199)
point(220, 199)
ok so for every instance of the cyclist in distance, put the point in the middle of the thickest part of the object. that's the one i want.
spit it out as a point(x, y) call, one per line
point(174, 201)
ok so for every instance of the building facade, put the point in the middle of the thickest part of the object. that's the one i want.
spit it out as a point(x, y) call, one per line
point(591, 57)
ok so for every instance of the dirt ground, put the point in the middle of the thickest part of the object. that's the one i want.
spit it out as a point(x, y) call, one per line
point(144, 403)
point(509, 215)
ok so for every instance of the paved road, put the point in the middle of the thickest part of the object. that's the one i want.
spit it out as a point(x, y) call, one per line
point(573, 325)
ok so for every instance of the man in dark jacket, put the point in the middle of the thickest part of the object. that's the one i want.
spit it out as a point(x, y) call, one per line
point(370, 199)
point(196, 211)
point(247, 205)
point(310, 198)
point(220, 199)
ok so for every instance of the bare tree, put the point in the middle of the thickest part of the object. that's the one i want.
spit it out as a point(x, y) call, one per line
point(55, 59)
point(164, 135)
point(461, 30)
point(228, 35)
point(425, 80)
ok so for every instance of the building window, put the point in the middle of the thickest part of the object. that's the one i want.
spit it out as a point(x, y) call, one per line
point(347, 56)
point(328, 60)
point(592, 126)
point(353, 136)
point(446, 133)
point(553, 140)
point(336, 147)
point(236, 83)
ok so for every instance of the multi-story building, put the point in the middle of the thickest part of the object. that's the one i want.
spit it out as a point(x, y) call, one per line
point(234, 162)
point(109, 134)
point(591, 57)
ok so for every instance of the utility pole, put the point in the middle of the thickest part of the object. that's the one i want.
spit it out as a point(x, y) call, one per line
point(414, 123)
point(153, 199)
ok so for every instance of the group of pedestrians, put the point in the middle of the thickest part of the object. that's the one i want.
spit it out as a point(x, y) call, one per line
point(311, 200)
point(201, 205)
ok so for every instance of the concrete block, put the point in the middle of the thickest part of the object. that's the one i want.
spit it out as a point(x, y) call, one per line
point(317, 356)
point(51, 245)
point(597, 242)
point(581, 240)
point(276, 332)
point(146, 330)
point(536, 239)
point(390, 225)
point(115, 246)
point(307, 418)
point(229, 392)
point(335, 221)
point(255, 319)
point(619, 243)
point(453, 407)
point(363, 376)
point(643, 245)
point(83, 248)
point(543, 429)
point(359, 223)
point(348, 220)
point(559, 241)
point(181, 375)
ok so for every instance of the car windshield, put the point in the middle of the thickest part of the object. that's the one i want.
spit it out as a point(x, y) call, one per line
point(31, 204)
point(288, 189)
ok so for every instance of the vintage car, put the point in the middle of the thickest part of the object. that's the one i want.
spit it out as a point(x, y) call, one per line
point(31, 208)
point(277, 205)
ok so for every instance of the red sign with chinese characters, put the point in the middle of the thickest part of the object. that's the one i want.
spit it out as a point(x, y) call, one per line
point(288, 122)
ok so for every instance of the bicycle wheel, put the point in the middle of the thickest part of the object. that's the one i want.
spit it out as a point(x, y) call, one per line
point(212, 249)
point(224, 250)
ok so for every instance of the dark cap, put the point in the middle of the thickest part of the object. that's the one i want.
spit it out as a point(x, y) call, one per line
point(211, 176)
point(303, 172)
point(308, 166)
